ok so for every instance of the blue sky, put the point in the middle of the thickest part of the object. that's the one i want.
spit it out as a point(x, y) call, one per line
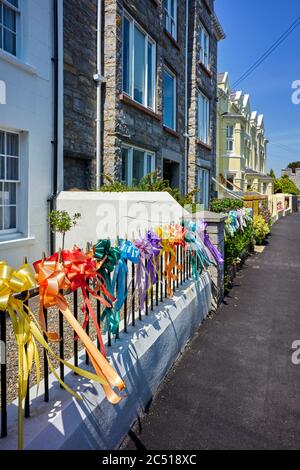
point(251, 27)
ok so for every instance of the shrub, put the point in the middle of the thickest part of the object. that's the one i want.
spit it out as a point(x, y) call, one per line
point(261, 228)
point(226, 205)
point(235, 246)
point(285, 185)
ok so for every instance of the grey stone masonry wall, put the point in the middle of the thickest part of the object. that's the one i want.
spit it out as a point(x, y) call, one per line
point(295, 177)
point(201, 80)
point(216, 232)
point(80, 54)
point(124, 122)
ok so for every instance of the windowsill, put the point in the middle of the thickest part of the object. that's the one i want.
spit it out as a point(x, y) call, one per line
point(203, 144)
point(172, 39)
point(171, 131)
point(15, 239)
point(11, 59)
point(127, 100)
point(206, 70)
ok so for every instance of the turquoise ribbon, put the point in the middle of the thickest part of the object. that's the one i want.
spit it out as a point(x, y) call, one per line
point(111, 256)
point(128, 252)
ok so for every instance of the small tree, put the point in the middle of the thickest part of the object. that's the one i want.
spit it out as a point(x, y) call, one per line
point(272, 173)
point(62, 222)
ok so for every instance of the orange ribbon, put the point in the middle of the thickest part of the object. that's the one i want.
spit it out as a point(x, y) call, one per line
point(52, 279)
point(171, 236)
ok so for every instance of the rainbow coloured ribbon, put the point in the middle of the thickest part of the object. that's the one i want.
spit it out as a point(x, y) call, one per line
point(108, 258)
point(27, 333)
point(52, 280)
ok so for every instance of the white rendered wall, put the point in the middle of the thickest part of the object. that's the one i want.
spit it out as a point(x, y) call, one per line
point(142, 357)
point(28, 109)
point(110, 215)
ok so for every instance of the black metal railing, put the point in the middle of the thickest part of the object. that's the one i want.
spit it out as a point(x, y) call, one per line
point(131, 312)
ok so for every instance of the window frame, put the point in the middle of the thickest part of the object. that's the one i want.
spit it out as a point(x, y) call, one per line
point(204, 55)
point(17, 11)
point(172, 74)
point(206, 138)
point(146, 152)
point(230, 139)
point(148, 39)
point(169, 18)
point(205, 194)
point(17, 182)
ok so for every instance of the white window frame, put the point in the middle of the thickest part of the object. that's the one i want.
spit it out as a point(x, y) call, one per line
point(169, 19)
point(229, 139)
point(130, 149)
point(132, 25)
point(17, 182)
point(173, 75)
point(205, 190)
point(204, 53)
point(16, 33)
point(205, 137)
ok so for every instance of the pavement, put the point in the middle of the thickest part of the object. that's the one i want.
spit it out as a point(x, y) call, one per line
point(235, 386)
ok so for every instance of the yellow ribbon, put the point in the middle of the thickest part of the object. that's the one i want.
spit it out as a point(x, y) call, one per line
point(168, 243)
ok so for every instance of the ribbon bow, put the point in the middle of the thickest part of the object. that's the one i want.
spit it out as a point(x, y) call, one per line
point(52, 279)
point(15, 282)
point(108, 258)
point(171, 236)
point(146, 276)
point(202, 233)
point(196, 246)
point(128, 252)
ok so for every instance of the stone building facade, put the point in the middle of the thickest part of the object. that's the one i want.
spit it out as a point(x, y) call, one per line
point(293, 175)
point(142, 128)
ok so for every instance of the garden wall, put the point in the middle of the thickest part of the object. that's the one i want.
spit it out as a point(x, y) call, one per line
point(142, 357)
point(109, 214)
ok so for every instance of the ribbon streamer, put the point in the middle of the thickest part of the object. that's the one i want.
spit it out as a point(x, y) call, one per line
point(52, 279)
point(146, 275)
point(171, 236)
point(108, 258)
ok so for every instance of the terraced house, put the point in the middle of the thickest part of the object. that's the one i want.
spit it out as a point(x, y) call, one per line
point(242, 143)
point(140, 85)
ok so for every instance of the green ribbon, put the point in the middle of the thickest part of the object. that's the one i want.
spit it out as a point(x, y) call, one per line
point(111, 256)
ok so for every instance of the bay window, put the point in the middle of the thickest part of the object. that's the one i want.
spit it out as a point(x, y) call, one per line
point(203, 119)
point(9, 180)
point(136, 163)
point(139, 63)
point(203, 187)
point(171, 17)
point(9, 10)
point(169, 108)
point(229, 138)
point(204, 46)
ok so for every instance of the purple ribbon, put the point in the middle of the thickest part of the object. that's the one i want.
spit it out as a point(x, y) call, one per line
point(202, 231)
point(149, 248)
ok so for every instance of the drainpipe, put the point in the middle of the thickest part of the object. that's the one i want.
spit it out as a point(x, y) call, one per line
point(52, 198)
point(99, 79)
point(186, 130)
